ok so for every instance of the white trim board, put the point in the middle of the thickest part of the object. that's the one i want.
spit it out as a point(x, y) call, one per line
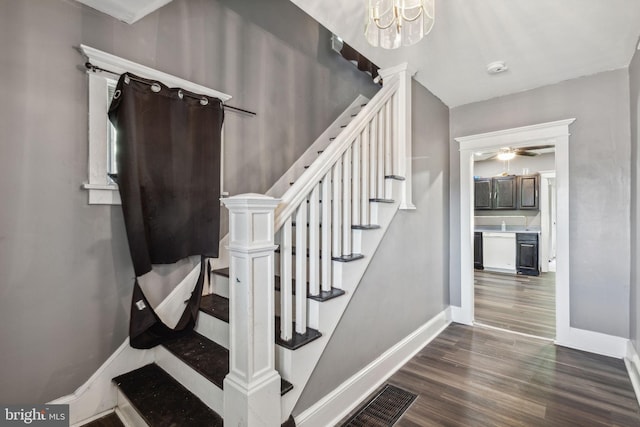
point(347, 396)
point(552, 133)
point(632, 362)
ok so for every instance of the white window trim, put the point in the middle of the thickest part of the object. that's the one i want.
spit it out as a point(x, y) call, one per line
point(101, 190)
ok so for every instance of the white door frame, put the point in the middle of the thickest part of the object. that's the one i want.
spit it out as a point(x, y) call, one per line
point(546, 223)
point(552, 133)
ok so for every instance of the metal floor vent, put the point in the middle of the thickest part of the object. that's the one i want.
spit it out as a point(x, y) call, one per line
point(384, 409)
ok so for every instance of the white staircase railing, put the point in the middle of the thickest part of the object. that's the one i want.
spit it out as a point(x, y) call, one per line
point(332, 196)
point(313, 225)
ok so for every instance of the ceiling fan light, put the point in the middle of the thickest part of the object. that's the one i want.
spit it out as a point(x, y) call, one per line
point(506, 155)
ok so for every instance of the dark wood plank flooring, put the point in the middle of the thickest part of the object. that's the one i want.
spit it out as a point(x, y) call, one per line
point(518, 303)
point(474, 376)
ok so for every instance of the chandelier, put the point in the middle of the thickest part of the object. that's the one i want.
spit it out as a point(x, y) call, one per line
point(394, 23)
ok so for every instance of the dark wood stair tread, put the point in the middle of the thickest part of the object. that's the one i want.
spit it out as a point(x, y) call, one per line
point(206, 357)
point(323, 296)
point(298, 340)
point(365, 227)
point(110, 420)
point(162, 401)
point(348, 258)
point(396, 177)
point(216, 306)
point(382, 200)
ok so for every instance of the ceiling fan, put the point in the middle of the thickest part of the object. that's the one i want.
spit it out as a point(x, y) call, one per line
point(507, 153)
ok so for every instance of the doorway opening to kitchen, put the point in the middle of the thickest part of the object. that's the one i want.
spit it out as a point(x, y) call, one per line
point(551, 133)
point(514, 239)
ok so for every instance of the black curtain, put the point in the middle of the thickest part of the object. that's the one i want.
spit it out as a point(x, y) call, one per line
point(168, 159)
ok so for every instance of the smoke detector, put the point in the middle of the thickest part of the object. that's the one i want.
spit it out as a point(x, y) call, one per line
point(497, 67)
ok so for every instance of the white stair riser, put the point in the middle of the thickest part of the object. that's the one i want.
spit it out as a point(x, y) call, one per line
point(200, 386)
point(213, 328)
point(220, 285)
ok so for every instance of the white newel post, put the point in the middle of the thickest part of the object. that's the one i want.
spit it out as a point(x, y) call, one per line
point(402, 132)
point(252, 387)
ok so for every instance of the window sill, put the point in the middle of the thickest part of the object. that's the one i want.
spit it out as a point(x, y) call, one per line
point(103, 194)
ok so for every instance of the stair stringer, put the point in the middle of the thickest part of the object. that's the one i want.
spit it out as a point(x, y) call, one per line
point(294, 172)
point(298, 365)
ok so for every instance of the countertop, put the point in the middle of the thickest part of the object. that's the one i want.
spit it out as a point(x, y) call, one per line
point(508, 229)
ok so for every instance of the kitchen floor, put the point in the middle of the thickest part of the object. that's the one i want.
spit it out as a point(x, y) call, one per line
point(518, 303)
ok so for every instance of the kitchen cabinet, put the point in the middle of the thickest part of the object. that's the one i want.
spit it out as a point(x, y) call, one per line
point(499, 193)
point(483, 199)
point(529, 192)
point(527, 254)
point(477, 250)
point(504, 192)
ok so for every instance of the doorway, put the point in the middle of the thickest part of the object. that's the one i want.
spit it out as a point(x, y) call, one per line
point(553, 133)
point(514, 288)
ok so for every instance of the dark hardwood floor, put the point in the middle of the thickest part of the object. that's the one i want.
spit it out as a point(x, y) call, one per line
point(518, 303)
point(474, 376)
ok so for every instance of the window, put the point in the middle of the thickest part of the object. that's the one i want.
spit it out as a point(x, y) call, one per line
point(102, 135)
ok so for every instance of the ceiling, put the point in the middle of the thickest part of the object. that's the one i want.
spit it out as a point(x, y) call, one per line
point(542, 41)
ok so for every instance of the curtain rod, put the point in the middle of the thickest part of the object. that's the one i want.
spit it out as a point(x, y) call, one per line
point(95, 68)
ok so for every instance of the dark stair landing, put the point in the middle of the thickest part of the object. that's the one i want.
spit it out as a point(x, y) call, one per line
point(162, 401)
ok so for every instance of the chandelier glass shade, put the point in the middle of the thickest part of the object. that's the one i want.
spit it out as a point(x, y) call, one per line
point(394, 23)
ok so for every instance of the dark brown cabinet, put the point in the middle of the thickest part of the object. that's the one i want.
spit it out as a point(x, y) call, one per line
point(509, 192)
point(504, 192)
point(477, 250)
point(495, 193)
point(527, 254)
point(528, 192)
point(483, 193)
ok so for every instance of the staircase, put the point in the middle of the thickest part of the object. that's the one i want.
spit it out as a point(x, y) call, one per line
point(293, 264)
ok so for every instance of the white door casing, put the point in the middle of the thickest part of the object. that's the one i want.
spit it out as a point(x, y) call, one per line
point(552, 133)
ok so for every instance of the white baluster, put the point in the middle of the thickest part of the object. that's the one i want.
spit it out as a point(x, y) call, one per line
point(314, 241)
point(388, 140)
point(355, 182)
point(326, 232)
point(346, 202)
point(380, 154)
point(336, 198)
point(286, 290)
point(301, 268)
point(365, 177)
point(373, 162)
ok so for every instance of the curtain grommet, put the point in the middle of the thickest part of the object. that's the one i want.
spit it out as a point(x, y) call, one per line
point(204, 101)
point(180, 94)
point(117, 94)
point(156, 87)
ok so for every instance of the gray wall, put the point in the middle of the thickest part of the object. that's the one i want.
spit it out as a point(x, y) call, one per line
point(407, 282)
point(599, 184)
point(634, 75)
point(65, 271)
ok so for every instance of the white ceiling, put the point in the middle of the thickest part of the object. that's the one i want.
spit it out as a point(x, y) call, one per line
point(128, 11)
point(542, 41)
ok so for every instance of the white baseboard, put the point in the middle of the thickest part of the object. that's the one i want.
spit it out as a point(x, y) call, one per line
point(593, 342)
point(337, 404)
point(98, 394)
point(632, 362)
